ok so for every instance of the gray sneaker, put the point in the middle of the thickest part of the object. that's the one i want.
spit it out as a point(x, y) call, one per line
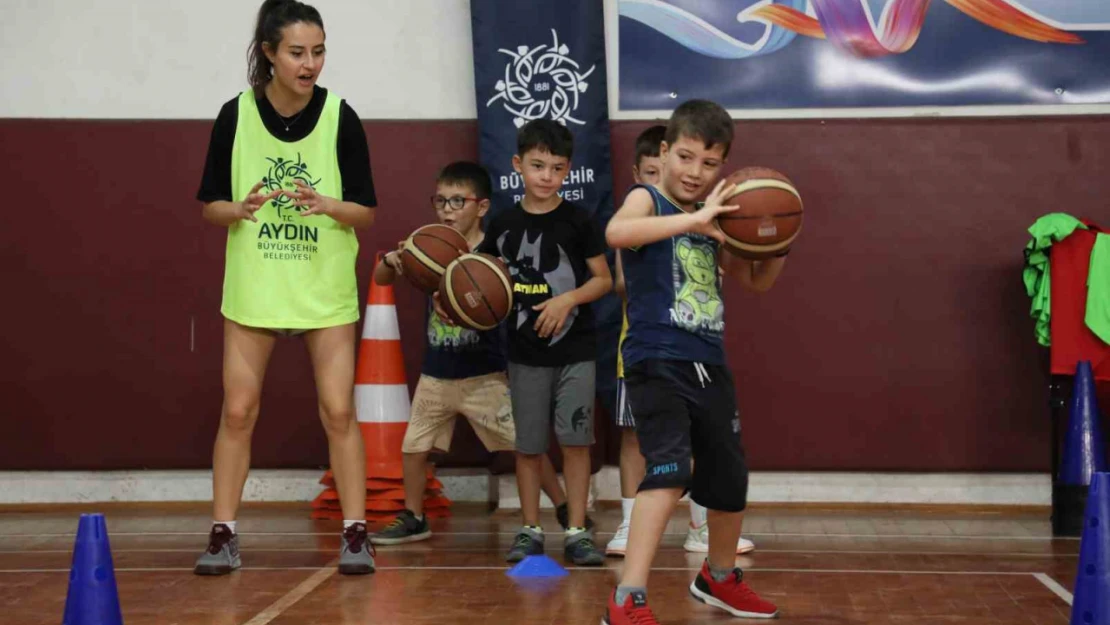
point(580, 549)
point(406, 528)
point(527, 543)
point(222, 555)
point(356, 557)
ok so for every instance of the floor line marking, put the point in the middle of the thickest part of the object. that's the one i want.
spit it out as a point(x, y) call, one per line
point(331, 568)
point(299, 591)
point(409, 549)
point(771, 534)
point(1055, 587)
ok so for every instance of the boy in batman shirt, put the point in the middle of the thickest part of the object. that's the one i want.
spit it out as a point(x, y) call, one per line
point(556, 255)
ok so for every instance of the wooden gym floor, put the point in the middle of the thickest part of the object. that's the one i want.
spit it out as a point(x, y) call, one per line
point(821, 566)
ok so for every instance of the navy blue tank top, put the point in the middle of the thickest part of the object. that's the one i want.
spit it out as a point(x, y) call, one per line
point(675, 309)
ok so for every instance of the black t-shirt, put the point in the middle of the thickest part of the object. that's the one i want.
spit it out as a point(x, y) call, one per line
point(546, 255)
point(454, 352)
point(354, 156)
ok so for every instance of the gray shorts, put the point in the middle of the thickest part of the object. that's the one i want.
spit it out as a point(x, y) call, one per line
point(540, 392)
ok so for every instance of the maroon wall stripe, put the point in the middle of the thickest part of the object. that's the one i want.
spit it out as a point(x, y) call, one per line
point(897, 339)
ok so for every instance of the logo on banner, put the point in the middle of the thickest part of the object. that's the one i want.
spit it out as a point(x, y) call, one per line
point(541, 82)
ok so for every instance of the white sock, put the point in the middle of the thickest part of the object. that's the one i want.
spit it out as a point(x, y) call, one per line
point(626, 508)
point(230, 525)
point(348, 522)
point(698, 514)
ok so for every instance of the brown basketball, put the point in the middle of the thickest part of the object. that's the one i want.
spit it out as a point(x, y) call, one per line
point(476, 291)
point(769, 217)
point(428, 251)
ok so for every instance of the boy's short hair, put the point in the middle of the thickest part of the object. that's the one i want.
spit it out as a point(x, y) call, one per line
point(545, 135)
point(647, 144)
point(701, 119)
point(470, 174)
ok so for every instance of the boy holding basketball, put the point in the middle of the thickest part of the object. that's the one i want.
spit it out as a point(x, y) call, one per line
point(463, 370)
point(678, 384)
point(556, 255)
point(646, 171)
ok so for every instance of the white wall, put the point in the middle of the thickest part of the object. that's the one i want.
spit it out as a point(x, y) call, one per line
point(134, 59)
point(391, 59)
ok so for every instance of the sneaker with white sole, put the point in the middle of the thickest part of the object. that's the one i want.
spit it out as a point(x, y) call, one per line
point(619, 543)
point(733, 595)
point(697, 541)
point(405, 528)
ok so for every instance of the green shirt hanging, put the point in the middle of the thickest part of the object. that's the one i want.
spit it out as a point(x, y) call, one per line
point(1045, 231)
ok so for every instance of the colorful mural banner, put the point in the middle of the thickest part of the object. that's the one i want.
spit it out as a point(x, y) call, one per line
point(768, 54)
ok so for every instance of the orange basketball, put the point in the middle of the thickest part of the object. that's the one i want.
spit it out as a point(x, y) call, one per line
point(476, 291)
point(769, 217)
point(428, 251)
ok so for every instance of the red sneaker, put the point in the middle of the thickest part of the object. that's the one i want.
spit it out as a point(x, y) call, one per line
point(732, 595)
point(635, 611)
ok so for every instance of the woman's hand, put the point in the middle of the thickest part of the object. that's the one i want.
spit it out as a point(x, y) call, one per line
point(310, 201)
point(246, 209)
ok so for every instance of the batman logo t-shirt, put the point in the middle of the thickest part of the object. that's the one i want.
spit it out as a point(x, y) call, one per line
point(546, 255)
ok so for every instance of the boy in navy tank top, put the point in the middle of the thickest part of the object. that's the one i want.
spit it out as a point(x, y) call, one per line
point(678, 383)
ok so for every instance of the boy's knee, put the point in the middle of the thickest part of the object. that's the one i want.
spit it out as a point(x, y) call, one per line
point(576, 450)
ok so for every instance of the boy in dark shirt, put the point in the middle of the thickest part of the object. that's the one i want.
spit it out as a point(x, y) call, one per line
point(678, 382)
point(556, 255)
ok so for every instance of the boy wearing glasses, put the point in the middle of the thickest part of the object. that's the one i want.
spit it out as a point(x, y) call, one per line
point(463, 370)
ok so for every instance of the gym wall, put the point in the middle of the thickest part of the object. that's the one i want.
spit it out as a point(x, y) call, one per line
point(897, 339)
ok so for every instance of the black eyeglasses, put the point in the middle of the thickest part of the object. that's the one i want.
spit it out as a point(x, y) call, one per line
point(456, 202)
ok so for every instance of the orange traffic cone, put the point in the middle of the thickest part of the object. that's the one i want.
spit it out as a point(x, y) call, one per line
point(382, 408)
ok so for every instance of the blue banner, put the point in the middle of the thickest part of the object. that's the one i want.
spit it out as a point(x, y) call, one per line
point(546, 60)
point(771, 54)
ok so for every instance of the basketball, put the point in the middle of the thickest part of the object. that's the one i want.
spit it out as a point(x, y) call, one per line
point(476, 291)
point(428, 251)
point(769, 217)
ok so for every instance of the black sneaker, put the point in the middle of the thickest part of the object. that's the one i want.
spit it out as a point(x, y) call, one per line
point(406, 528)
point(562, 513)
point(527, 543)
point(580, 549)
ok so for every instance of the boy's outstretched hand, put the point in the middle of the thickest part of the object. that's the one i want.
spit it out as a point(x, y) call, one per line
point(393, 258)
